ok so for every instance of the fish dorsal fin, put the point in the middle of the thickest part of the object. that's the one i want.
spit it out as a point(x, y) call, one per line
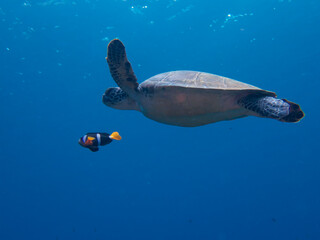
point(120, 68)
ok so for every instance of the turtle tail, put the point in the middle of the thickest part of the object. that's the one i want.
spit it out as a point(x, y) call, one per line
point(270, 107)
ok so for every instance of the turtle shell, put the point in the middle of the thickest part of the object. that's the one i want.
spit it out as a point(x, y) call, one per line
point(199, 80)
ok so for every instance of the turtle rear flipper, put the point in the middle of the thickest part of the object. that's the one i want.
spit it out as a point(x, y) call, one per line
point(120, 68)
point(295, 112)
point(271, 107)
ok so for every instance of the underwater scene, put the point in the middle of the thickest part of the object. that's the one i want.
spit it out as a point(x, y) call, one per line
point(222, 145)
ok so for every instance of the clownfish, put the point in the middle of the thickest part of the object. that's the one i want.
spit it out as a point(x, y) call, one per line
point(94, 140)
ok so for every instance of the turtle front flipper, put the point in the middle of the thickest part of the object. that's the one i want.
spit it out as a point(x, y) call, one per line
point(120, 68)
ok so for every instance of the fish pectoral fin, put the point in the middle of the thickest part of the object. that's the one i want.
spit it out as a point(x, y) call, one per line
point(89, 141)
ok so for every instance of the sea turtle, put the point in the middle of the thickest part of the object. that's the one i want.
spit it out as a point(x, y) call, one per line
point(189, 98)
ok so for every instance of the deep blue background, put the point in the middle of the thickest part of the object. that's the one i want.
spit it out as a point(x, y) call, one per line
point(246, 179)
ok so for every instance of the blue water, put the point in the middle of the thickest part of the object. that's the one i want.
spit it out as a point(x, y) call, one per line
point(249, 179)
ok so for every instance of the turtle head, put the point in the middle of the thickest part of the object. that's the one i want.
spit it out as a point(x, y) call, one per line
point(115, 97)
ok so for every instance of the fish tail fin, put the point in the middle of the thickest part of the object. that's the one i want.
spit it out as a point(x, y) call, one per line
point(115, 136)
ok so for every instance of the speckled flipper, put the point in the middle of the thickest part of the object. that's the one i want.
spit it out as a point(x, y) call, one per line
point(271, 107)
point(120, 68)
